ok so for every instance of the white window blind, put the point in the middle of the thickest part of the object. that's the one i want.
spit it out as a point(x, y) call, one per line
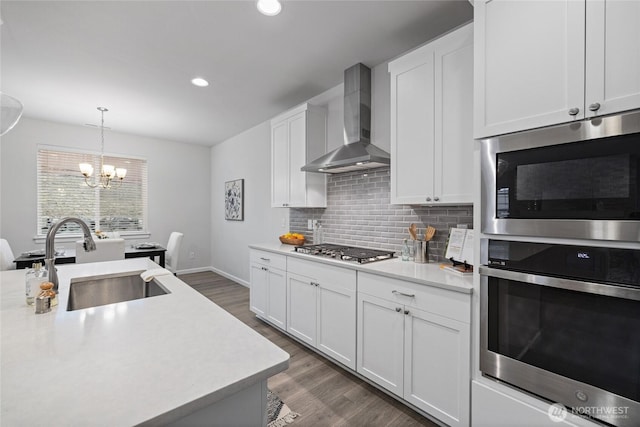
point(62, 192)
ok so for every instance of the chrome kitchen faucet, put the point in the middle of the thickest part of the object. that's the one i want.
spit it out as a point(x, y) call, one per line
point(49, 260)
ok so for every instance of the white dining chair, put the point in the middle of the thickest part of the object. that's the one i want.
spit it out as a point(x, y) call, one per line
point(106, 250)
point(173, 252)
point(6, 256)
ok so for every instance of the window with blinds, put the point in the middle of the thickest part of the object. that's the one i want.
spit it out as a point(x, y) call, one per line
point(62, 192)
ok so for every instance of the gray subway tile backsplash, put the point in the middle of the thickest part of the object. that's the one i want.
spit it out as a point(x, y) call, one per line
point(359, 213)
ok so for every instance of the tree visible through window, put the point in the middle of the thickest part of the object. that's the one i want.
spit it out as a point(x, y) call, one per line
point(62, 192)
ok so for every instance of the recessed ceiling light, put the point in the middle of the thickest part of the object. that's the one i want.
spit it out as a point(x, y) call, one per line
point(200, 82)
point(269, 7)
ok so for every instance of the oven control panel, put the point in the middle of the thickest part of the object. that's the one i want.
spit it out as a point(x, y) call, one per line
point(598, 264)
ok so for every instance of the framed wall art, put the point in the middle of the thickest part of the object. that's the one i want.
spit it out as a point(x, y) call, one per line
point(234, 200)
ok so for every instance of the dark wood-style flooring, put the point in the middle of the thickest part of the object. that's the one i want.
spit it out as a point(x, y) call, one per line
point(320, 391)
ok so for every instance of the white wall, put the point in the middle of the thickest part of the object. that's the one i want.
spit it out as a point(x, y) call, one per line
point(178, 187)
point(245, 156)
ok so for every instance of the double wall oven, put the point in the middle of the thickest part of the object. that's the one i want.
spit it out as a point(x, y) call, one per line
point(560, 281)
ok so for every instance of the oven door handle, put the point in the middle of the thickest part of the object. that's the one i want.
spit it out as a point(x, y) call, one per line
point(569, 284)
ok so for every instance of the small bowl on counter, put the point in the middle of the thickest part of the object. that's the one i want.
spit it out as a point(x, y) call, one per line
point(292, 241)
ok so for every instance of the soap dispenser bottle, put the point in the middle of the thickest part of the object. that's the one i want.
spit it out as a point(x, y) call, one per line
point(317, 233)
point(33, 278)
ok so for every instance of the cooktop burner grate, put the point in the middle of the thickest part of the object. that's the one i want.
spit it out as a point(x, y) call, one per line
point(346, 253)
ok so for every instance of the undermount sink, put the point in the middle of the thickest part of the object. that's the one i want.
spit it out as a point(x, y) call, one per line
point(86, 292)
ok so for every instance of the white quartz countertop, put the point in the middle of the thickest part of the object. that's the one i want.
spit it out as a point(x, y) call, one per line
point(429, 274)
point(150, 360)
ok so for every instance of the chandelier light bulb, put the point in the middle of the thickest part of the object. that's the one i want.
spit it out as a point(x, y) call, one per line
point(269, 7)
point(86, 169)
point(109, 171)
point(121, 173)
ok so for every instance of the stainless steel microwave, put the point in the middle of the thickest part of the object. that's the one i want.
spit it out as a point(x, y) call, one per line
point(577, 180)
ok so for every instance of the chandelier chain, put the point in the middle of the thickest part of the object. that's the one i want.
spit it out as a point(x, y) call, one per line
point(102, 110)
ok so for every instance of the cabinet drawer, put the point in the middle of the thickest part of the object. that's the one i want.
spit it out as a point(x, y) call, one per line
point(269, 259)
point(327, 275)
point(454, 305)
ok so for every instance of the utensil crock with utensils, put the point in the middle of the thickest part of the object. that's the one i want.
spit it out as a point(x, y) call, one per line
point(421, 251)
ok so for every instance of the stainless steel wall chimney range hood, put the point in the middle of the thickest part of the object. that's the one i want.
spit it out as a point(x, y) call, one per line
point(357, 153)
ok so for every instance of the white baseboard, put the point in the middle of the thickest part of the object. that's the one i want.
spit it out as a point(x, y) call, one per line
point(194, 270)
point(231, 277)
point(214, 270)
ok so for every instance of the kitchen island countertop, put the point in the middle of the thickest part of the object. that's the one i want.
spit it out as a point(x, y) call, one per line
point(152, 360)
point(429, 274)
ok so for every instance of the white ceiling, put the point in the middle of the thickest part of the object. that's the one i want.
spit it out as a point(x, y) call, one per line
point(63, 59)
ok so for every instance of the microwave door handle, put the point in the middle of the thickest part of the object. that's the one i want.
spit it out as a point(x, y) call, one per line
point(568, 284)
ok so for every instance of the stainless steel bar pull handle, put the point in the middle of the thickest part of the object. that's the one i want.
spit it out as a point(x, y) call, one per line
point(569, 284)
point(403, 294)
point(265, 259)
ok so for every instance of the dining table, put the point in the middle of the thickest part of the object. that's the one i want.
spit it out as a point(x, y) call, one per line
point(68, 256)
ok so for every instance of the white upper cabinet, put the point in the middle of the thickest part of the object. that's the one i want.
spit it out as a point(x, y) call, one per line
point(431, 125)
point(612, 56)
point(534, 66)
point(297, 137)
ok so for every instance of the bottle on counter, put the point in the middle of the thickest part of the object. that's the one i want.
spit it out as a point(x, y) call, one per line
point(46, 290)
point(405, 250)
point(33, 278)
point(317, 234)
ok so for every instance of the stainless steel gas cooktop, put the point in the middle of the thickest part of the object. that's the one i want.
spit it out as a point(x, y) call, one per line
point(345, 253)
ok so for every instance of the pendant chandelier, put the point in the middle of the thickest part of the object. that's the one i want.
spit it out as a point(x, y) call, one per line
point(108, 173)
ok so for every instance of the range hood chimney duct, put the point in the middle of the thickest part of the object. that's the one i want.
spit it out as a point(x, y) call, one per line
point(357, 153)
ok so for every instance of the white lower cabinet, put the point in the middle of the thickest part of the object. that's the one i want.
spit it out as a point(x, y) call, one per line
point(381, 342)
point(301, 292)
point(321, 307)
point(268, 292)
point(414, 340)
point(501, 406)
point(411, 339)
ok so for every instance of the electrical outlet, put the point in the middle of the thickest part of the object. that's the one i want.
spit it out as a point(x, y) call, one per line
point(192, 255)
